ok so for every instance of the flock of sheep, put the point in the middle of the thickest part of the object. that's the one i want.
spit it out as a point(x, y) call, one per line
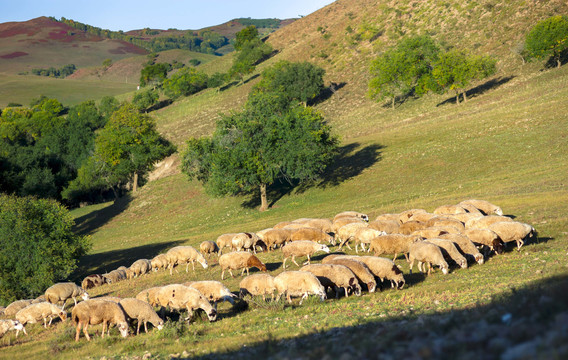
point(466, 232)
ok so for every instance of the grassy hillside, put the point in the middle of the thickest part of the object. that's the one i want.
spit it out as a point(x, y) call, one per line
point(507, 144)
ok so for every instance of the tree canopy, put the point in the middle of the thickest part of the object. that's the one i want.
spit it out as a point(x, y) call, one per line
point(185, 82)
point(37, 246)
point(250, 50)
point(548, 38)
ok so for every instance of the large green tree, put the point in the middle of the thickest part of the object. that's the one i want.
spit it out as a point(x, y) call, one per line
point(548, 38)
point(185, 82)
point(250, 51)
point(37, 246)
point(269, 140)
point(125, 148)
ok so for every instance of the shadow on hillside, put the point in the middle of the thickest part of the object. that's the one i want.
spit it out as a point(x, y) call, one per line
point(347, 164)
point(551, 62)
point(327, 93)
point(480, 89)
point(160, 105)
point(522, 323)
point(87, 224)
point(107, 261)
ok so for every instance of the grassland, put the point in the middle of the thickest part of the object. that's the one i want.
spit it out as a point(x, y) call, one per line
point(507, 144)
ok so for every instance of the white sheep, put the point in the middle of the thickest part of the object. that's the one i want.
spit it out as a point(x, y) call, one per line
point(364, 236)
point(140, 267)
point(9, 325)
point(184, 255)
point(247, 241)
point(487, 238)
point(214, 291)
point(388, 226)
point(60, 292)
point(301, 248)
point(429, 233)
point(313, 234)
point(150, 295)
point(428, 253)
point(411, 226)
point(449, 210)
point(422, 216)
point(239, 260)
point(38, 312)
point(393, 244)
point(513, 231)
point(324, 225)
point(380, 267)
point(449, 248)
point(346, 233)
point(16, 306)
point(93, 312)
point(142, 312)
point(388, 217)
point(159, 261)
point(484, 206)
point(208, 248)
point(408, 214)
point(224, 241)
point(472, 210)
point(298, 283)
point(483, 222)
point(257, 284)
point(444, 221)
point(465, 245)
point(282, 224)
point(339, 223)
point(179, 297)
point(335, 276)
point(356, 214)
point(275, 237)
point(359, 268)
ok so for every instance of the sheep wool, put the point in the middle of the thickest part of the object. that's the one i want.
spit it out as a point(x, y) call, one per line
point(142, 312)
point(464, 244)
point(16, 306)
point(9, 325)
point(184, 255)
point(150, 295)
point(213, 291)
point(360, 270)
point(513, 231)
point(393, 244)
point(428, 253)
point(93, 312)
point(298, 284)
point(382, 268)
point(60, 292)
point(335, 277)
point(179, 297)
point(224, 241)
point(257, 285)
point(313, 234)
point(208, 248)
point(301, 248)
point(239, 260)
point(484, 206)
point(40, 312)
point(450, 251)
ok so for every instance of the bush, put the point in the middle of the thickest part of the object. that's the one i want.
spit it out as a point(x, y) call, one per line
point(548, 38)
point(37, 246)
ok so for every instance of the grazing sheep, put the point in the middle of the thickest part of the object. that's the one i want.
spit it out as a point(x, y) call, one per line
point(446, 229)
point(463, 217)
point(472, 210)
point(275, 237)
point(142, 312)
point(239, 260)
point(38, 312)
point(364, 236)
point(393, 244)
point(387, 226)
point(261, 233)
point(411, 226)
point(465, 245)
point(140, 267)
point(178, 297)
point(295, 225)
point(442, 221)
point(38, 299)
point(347, 232)
point(380, 267)
point(430, 232)
point(356, 214)
point(449, 210)
point(335, 277)
point(16, 306)
point(247, 241)
point(8, 325)
point(298, 283)
point(422, 217)
point(487, 238)
point(450, 251)
point(208, 248)
point(159, 261)
point(60, 292)
point(301, 248)
point(93, 312)
point(324, 225)
point(339, 223)
point(93, 280)
point(257, 284)
point(184, 254)
point(150, 295)
point(406, 215)
point(483, 222)
point(359, 268)
point(513, 231)
point(115, 276)
point(224, 241)
point(388, 217)
point(282, 224)
point(213, 290)
point(313, 234)
point(426, 252)
point(484, 206)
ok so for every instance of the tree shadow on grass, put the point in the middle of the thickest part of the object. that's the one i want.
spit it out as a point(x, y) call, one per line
point(327, 93)
point(88, 223)
point(526, 322)
point(348, 163)
point(480, 89)
point(103, 262)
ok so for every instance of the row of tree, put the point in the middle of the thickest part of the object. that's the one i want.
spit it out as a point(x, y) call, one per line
point(61, 72)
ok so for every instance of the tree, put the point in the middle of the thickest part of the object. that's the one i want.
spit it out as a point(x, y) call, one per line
point(455, 70)
point(402, 69)
point(154, 73)
point(250, 51)
point(37, 246)
point(548, 38)
point(267, 141)
point(249, 33)
point(127, 146)
point(145, 99)
point(185, 82)
point(297, 81)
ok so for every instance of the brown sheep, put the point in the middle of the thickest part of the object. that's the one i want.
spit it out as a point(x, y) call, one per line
point(393, 244)
point(239, 260)
point(93, 280)
point(313, 234)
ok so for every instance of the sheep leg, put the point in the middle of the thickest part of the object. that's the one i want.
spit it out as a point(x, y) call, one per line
point(222, 274)
point(411, 265)
point(86, 332)
point(307, 262)
point(76, 332)
point(193, 265)
point(187, 267)
point(395, 256)
point(303, 297)
point(519, 244)
point(294, 260)
point(145, 327)
point(138, 327)
point(406, 256)
point(230, 272)
point(104, 328)
point(284, 263)
point(346, 292)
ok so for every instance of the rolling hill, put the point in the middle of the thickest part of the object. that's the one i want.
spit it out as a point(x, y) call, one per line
point(507, 144)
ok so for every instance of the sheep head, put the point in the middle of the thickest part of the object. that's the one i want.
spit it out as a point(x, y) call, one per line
point(85, 296)
point(123, 328)
point(212, 315)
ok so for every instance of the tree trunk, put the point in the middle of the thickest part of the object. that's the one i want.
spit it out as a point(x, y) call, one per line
point(393, 101)
point(558, 62)
point(135, 182)
point(458, 98)
point(263, 200)
point(464, 96)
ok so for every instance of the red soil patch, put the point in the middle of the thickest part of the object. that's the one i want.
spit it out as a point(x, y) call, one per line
point(127, 48)
point(14, 55)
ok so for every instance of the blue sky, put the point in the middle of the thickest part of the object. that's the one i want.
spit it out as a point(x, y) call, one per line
point(156, 14)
